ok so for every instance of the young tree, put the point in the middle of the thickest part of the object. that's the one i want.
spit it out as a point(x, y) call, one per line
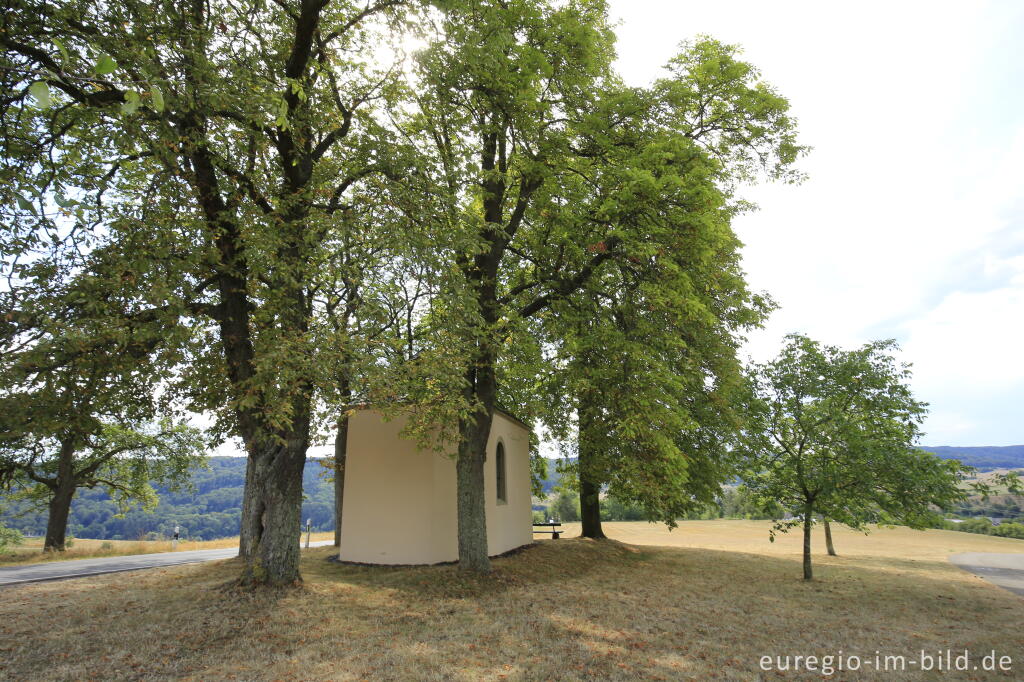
point(829, 547)
point(222, 139)
point(832, 432)
point(9, 537)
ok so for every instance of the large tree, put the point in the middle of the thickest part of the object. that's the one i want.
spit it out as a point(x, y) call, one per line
point(222, 140)
point(539, 170)
point(832, 432)
point(80, 404)
point(647, 356)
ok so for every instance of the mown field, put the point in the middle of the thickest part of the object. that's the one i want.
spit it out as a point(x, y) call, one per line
point(705, 601)
point(31, 552)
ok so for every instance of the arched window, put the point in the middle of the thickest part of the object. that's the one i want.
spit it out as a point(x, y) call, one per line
point(499, 465)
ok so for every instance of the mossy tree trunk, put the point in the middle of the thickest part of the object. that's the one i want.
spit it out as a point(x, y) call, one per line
point(273, 509)
point(472, 512)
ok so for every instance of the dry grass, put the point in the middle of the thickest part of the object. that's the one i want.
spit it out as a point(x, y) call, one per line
point(563, 609)
point(31, 552)
point(753, 537)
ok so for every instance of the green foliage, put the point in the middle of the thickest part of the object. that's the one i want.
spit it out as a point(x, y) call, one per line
point(614, 509)
point(219, 154)
point(208, 506)
point(1009, 530)
point(566, 507)
point(10, 537)
point(646, 353)
point(833, 431)
point(739, 503)
point(249, 193)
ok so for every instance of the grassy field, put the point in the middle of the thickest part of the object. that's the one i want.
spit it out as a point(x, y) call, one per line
point(31, 552)
point(705, 601)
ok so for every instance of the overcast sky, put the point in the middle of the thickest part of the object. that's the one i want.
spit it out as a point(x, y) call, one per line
point(911, 225)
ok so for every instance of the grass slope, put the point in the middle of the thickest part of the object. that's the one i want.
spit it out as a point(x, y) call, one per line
point(706, 603)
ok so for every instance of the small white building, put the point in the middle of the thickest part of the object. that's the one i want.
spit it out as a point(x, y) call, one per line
point(400, 506)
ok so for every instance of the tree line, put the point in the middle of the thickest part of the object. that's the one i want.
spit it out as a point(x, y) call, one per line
point(208, 507)
point(271, 213)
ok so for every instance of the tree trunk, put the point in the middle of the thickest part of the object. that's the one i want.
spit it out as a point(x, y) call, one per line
point(808, 521)
point(590, 487)
point(63, 488)
point(340, 453)
point(590, 510)
point(472, 512)
point(828, 538)
point(57, 521)
point(272, 523)
point(245, 531)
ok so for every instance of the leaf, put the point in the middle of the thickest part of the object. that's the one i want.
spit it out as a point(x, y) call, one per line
point(40, 91)
point(105, 65)
point(158, 99)
point(63, 51)
point(282, 115)
point(25, 205)
point(131, 102)
point(62, 202)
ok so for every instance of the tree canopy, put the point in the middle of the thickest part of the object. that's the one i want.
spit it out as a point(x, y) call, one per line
point(833, 432)
point(219, 145)
point(300, 217)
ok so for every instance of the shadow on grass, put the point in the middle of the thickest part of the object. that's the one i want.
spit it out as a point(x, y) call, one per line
point(542, 563)
point(562, 609)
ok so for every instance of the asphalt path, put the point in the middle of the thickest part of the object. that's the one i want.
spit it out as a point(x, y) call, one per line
point(1004, 570)
point(80, 568)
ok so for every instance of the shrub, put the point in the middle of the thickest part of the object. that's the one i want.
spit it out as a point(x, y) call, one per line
point(982, 526)
point(10, 537)
point(107, 545)
point(1009, 530)
point(566, 507)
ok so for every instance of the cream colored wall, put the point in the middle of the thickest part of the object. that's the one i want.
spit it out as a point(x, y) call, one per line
point(509, 525)
point(389, 495)
point(400, 505)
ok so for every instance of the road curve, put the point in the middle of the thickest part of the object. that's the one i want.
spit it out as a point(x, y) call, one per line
point(1004, 570)
point(80, 568)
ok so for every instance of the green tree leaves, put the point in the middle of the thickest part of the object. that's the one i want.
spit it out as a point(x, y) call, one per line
point(40, 91)
point(833, 431)
point(105, 65)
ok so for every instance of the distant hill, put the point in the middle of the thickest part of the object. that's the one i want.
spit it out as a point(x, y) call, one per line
point(553, 476)
point(212, 511)
point(984, 457)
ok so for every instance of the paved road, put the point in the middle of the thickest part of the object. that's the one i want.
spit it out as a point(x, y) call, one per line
point(1005, 570)
point(79, 568)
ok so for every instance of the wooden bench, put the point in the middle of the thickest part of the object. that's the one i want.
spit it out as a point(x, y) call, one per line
point(555, 532)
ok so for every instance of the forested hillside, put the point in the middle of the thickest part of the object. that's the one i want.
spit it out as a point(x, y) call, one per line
point(211, 510)
point(984, 457)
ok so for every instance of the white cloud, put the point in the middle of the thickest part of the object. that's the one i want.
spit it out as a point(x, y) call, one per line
point(912, 222)
point(969, 343)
